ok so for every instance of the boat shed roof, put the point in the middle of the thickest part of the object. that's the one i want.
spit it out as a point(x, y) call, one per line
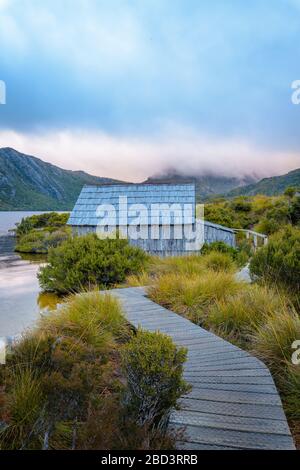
point(91, 197)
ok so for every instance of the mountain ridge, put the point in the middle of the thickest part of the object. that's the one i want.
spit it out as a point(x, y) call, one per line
point(29, 183)
point(272, 186)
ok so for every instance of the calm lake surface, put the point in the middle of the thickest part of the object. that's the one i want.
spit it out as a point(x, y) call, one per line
point(20, 299)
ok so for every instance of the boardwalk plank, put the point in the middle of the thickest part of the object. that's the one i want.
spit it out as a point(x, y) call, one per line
point(261, 388)
point(266, 380)
point(230, 422)
point(235, 397)
point(234, 409)
point(238, 439)
point(233, 403)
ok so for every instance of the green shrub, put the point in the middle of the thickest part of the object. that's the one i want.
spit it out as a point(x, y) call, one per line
point(40, 241)
point(221, 247)
point(295, 211)
point(240, 255)
point(242, 258)
point(220, 214)
point(218, 261)
point(241, 204)
point(38, 233)
point(48, 219)
point(87, 261)
point(32, 242)
point(153, 367)
point(268, 226)
point(279, 262)
point(290, 191)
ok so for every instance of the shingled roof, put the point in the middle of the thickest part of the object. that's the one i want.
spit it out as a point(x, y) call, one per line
point(91, 197)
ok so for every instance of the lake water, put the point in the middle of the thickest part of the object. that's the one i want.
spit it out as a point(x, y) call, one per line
point(20, 299)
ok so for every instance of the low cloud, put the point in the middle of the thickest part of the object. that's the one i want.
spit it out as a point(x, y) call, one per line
point(135, 158)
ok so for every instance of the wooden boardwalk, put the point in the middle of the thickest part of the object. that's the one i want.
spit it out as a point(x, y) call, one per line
point(234, 403)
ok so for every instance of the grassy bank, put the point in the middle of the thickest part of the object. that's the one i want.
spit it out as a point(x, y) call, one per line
point(71, 383)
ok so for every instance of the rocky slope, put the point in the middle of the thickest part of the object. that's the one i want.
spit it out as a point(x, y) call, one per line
point(28, 183)
point(269, 186)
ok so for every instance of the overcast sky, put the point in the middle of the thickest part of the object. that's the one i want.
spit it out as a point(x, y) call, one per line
point(129, 88)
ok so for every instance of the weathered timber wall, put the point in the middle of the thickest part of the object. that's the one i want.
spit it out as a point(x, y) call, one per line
point(168, 244)
point(218, 233)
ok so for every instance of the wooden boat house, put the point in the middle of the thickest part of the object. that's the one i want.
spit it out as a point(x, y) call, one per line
point(158, 217)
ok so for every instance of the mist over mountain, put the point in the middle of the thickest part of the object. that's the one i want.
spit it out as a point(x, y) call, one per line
point(207, 184)
point(29, 183)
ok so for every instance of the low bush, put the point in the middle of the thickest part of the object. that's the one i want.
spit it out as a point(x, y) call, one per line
point(218, 261)
point(278, 263)
point(220, 213)
point(40, 221)
point(38, 233)
point(40, 241)
point(268, 226)
point(87, 261)
point(241, 204)
point(220, 247)
point(153, 367)
point(295, 210)
point(239, 255)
